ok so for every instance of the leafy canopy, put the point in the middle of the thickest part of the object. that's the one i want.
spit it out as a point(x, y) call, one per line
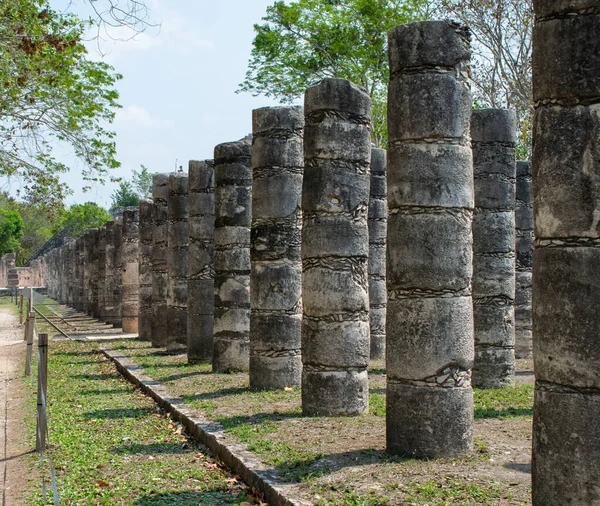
point(39, 221)
point(80, 217)
point(51, 94)
point(131, 192)
point(308, 40)
point(11, 229)
point(125, 195)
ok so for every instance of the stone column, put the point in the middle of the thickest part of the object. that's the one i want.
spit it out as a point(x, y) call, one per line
point(117, 285)
point(201, 285)
point(335, 249)
point(177, 262)
point(78, 302)
point(377, 232)
point(109, 303)
point(429, 328)
point(94, 232)
point(160, 197)
point(87, 271)
point(145, 266)
point(566, 258)
point(524, 257)
point(130, 270)
point(102, 273)
point(276, 268)
point(494, 135)
point(233, 214)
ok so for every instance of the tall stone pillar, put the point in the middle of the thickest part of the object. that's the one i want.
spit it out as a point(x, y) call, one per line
point(276, 268)
point(233, 214)
point(94, 233)
point(130, 269)
point(524, 257)
point(117, 285)
point(87, 271)
point(377, 232)
point(102, 273)
point(109, 303)
point(335, 249)
point(201, 285)
point(145, 266)
point(177, 262)
point(566, 258)
point(429, 327)
point(79, 273)
point(494, 135)
point(160, 197)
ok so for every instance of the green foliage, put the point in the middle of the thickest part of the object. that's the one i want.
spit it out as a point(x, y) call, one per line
point(142, 182)
point(125, 195)
point(307, 40)
point(80, 217)
point(39, 221)
point(51, 94)
point(11, 229)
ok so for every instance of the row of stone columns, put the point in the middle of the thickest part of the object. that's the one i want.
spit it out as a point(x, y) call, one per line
point(98, 273)
point(451, 179)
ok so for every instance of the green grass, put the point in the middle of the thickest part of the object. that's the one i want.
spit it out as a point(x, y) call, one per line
point(505, 402)
point(112, 447)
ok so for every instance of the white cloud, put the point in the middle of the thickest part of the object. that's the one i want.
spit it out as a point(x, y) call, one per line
point(141, 117)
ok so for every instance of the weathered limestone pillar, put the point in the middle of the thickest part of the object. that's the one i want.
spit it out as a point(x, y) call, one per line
point(109, 308)
point(233, 214)
point(131, 275)
point(377, 232)
point(201, 285)
point(94, 232)
point(524, 257)
point(429, 327)
point(78, 302)
point(160, 197)
point(87, 271)
point(102, 273)
point(177, 262)
point(145, 266)
point(117, 284)
point(566, 258)
point(276, 268)
point(494, 135)
point(335, 249)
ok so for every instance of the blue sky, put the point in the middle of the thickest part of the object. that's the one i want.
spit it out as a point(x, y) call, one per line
point(178, 87)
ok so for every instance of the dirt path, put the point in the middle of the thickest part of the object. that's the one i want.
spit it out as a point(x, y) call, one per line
point(14, 459)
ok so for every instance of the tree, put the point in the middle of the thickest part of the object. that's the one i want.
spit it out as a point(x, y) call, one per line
point(11, 229)
point(51, 94)
point(501, 69)
point(125, 195)
point(39, 221)
point(142, 182)
point(308, 40)
point(80, 217)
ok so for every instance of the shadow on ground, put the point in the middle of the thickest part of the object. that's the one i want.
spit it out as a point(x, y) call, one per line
point(187, 499)
point(149, 449)
point(116, 414)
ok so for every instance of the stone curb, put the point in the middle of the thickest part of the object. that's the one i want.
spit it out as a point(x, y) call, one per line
point(236, 456)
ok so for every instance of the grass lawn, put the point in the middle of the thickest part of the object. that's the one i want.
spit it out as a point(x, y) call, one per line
point(343, 460)
point(111, 446)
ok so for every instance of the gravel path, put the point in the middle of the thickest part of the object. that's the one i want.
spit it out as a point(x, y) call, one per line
point(14, 459)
